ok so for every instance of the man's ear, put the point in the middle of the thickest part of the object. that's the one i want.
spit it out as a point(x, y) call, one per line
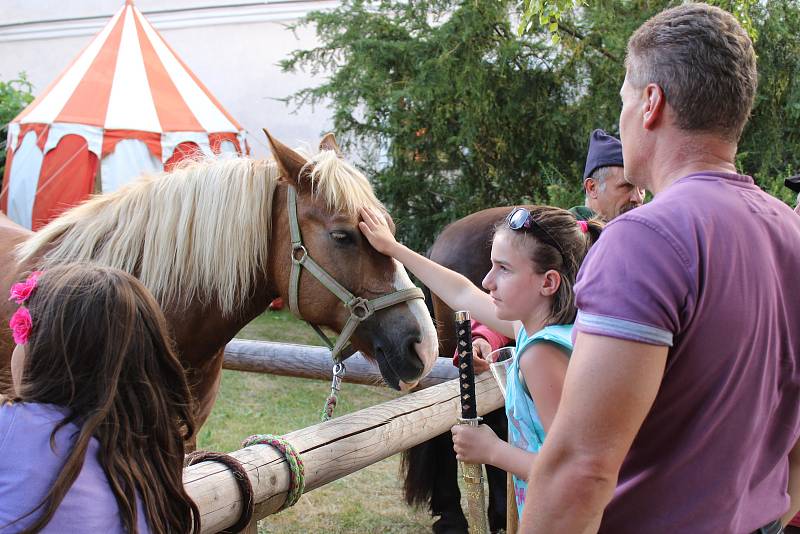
point(290, 163)
point(654, 105)
point(590, 187)
point(551, 283)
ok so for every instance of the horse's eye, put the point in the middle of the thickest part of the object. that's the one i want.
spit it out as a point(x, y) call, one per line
point(340, 236)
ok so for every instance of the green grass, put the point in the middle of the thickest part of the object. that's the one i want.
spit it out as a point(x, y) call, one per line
point(369, 500)
point(280, 326)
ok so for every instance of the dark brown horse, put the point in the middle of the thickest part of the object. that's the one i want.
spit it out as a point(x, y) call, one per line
point(211, 240)
point(431, 469)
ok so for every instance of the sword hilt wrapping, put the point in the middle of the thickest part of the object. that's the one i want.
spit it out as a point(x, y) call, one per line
point(466, 372)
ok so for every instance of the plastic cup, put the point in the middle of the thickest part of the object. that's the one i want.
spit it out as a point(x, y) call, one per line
point(501, 359)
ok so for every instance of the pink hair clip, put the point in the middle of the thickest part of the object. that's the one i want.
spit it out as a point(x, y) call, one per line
point(583, 225)
point(21, 322)
point(22, 291)
point(21, 325)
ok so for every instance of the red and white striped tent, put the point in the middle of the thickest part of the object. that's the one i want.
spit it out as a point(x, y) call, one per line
point(126, 105)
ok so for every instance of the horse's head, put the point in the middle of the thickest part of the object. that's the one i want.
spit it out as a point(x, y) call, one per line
point(329, 192)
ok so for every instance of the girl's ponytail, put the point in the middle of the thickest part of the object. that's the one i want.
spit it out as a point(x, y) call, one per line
point(594, 227)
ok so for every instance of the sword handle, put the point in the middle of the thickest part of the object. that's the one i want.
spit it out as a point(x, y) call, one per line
point(471, 473)
point(466, 372)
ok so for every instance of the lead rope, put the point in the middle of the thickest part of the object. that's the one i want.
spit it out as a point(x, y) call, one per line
point(336, 384)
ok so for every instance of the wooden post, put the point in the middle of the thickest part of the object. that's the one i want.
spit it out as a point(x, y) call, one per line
point(331, 450)
point(512, 514)
point(251, 528)
point(305, 361)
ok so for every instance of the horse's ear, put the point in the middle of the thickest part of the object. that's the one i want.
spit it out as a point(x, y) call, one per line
point(329, 143)
point(290, 163)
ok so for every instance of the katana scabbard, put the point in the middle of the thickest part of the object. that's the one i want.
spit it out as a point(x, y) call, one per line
point(472, 473)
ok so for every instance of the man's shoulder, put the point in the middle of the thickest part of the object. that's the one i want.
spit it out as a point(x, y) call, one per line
point(656, 216)
point(646, 231)
point(681, 208)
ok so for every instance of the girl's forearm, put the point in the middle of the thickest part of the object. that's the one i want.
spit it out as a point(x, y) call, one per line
point(456, 290)
point(513, 460)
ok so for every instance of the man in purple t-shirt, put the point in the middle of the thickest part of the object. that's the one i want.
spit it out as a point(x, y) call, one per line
point(680, 407)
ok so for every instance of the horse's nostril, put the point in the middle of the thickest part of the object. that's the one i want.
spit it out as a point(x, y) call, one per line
point(414, 360)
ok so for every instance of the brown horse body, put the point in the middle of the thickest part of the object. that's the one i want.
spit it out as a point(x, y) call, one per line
point(401, 338)
point(431, 469)
point(464, 246)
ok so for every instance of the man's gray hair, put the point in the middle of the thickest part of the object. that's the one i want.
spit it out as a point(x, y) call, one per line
point(599, 175)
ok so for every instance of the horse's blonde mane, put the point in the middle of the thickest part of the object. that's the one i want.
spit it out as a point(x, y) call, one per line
point(177, 232)
point(201, 231)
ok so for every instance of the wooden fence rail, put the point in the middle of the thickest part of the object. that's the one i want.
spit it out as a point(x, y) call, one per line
point(331, 450)
point(305, 361)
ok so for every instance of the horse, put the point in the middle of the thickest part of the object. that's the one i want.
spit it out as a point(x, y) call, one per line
point(430, 468)
point(211, 240)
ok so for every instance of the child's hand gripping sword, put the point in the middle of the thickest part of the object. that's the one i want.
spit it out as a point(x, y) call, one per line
point(472, 473)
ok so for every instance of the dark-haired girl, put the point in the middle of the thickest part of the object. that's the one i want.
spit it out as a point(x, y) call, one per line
point(92, 440)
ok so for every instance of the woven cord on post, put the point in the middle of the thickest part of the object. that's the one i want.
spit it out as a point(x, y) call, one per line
point(297, 481)
point(242, 480)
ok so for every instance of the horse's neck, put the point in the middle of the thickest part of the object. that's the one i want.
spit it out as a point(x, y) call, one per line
point(279, 262)
point(202, 329)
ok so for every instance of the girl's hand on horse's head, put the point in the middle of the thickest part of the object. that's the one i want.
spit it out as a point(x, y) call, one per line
point(375, 228)
point(474, 444)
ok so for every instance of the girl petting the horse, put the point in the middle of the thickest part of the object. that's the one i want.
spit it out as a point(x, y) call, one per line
point(92, 439)
point(536, 254)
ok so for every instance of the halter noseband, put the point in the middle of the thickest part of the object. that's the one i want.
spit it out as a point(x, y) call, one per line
point(360, 308)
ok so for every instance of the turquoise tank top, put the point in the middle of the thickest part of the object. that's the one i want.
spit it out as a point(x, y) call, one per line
point(525, 428)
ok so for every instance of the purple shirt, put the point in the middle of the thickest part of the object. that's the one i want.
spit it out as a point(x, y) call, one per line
point(28, 467)
point(711, 269)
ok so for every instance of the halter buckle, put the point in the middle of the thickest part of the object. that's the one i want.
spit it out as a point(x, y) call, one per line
point(359, 308)
point(303, 254)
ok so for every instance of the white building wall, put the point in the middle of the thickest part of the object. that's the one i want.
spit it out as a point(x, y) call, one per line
point(232, 46)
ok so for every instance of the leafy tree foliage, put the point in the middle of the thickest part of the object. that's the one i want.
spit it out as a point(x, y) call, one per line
point(453, 109)
point(14, 96)
point(770, 147)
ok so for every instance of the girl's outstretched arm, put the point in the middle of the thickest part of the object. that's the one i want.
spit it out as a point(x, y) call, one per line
point(454, 289)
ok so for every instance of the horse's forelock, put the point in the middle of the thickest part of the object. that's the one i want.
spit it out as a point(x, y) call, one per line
point(340, 185)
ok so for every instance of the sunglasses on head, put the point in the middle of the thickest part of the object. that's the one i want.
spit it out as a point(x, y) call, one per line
point(522, 219)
